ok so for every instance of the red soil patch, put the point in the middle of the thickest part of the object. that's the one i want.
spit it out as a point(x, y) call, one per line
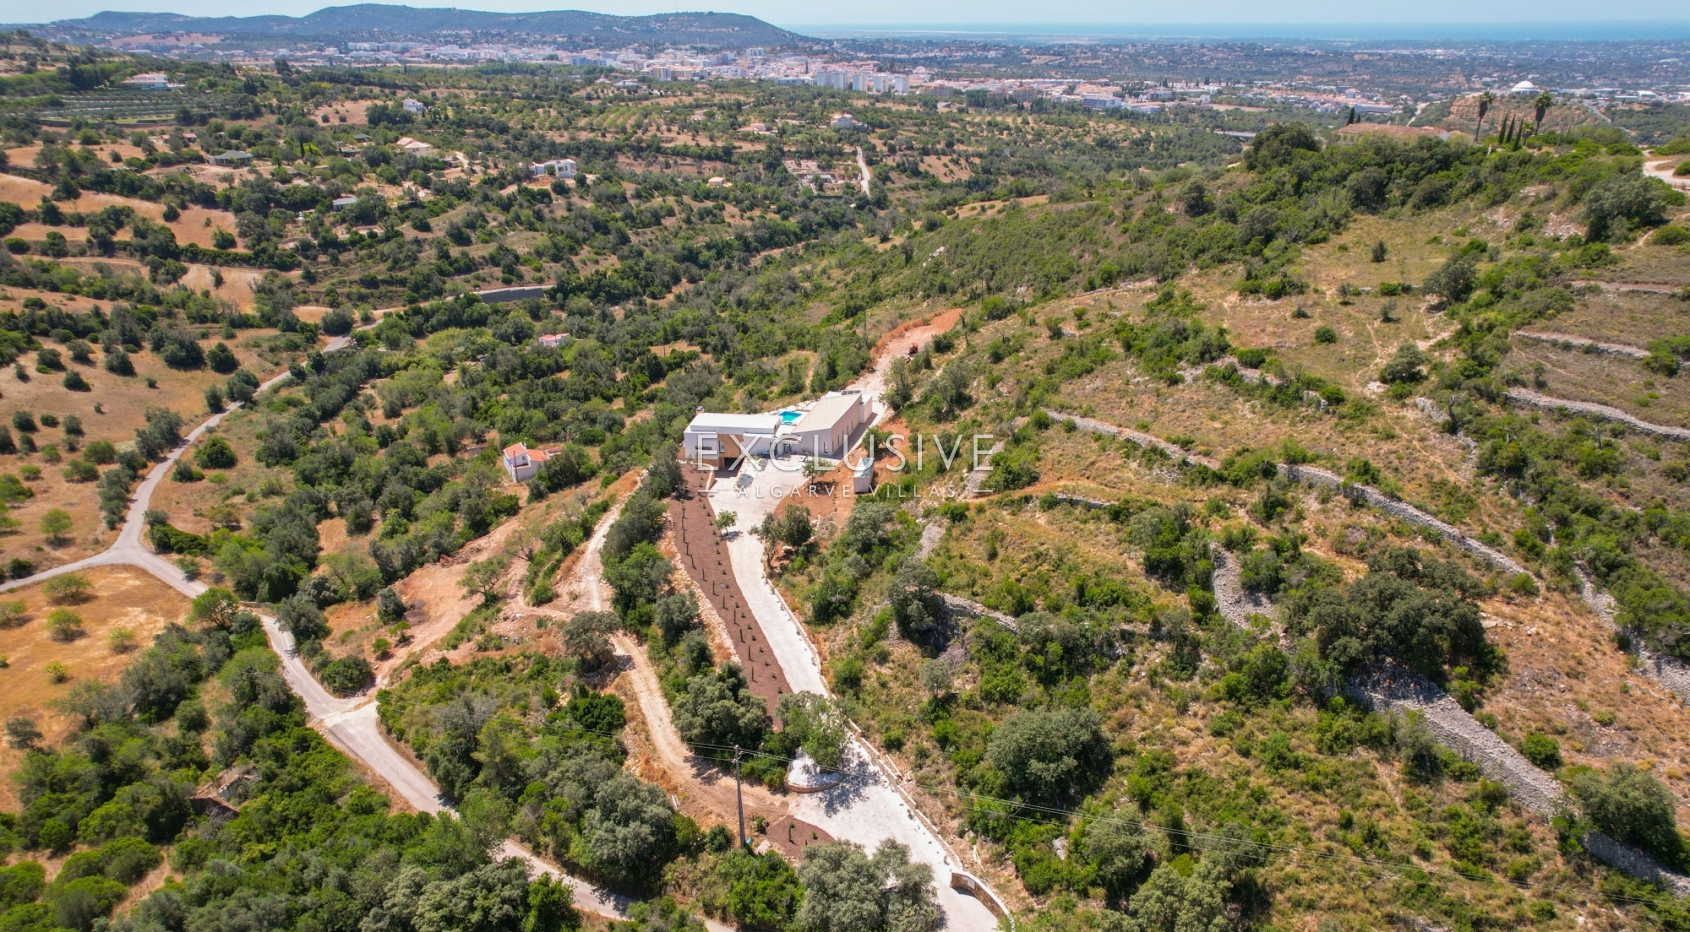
point(791, 836)
point(702, 553)
point(918, 333)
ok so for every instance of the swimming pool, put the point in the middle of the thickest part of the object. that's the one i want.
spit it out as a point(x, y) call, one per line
point(787, 417)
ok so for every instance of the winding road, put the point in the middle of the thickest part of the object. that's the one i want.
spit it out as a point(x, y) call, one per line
point(350, 724)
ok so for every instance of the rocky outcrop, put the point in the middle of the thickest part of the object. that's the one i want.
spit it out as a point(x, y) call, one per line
point(1672, 673)
point(963, 608)
point(1235, 603)
point(1531, 399)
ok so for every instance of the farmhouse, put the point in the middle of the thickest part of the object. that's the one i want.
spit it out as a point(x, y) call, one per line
point(522, 463)
point(562, 168)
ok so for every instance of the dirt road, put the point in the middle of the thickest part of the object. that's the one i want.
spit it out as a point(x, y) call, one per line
point(350, 723)
point(1662, 169)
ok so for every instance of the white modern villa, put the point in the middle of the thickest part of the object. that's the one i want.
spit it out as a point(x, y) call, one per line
point(823, 427)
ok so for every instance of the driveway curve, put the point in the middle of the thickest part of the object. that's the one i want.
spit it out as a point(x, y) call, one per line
point(351, 723)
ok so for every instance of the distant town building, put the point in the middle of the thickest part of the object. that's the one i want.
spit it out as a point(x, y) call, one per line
point(414, 146)
point(234, 158)
point(844, 121)
point(413, 105)
point(562, 168)
point(1524, 89)
point(341, 203)
point(552, 340)
point(151, 81)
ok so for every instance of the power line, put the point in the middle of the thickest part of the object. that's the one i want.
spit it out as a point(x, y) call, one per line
point(1048, 815)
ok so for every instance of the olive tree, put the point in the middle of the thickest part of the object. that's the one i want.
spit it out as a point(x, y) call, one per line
point(718, 708)
point(819, 726)
point(630, 829)
point(1632, 806)
point(846, 890)
point(1049, 755)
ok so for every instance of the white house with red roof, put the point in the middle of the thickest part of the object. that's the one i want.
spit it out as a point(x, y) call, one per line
point(522, 463)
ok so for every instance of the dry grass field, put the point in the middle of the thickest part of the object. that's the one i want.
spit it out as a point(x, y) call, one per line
point(122, 405)
point(122, 598)
point(196, 224)
point(1609, 380)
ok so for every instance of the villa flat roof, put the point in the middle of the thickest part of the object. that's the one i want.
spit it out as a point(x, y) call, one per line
point(715, 421)
point(826, 412)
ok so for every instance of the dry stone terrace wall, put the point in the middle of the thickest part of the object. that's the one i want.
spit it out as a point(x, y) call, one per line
point(1670, 671)
point(1235, 603)
point(1310, 475)
point(1531, 399)
point(1392, 690)
point(1595, 346)
point(1388, 689)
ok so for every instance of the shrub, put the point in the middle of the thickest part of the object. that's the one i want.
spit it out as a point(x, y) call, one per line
point(117, 362)
point(1048, 755)
point(64, 625)
point(56, 524)
point(69, 589)
point(346, 675)
point(222, 359)
point(1623, 203)
point(1670, 235)
point(1630, 805)
point(73, 381)
point(81, 470)
point(122, 641)
point(56, 671)
point(216, 453)
point(1455, 280)
point(1542, 750)
point(336, 323)
point(13, 613)
point(1325, 334)
point(1404, 367)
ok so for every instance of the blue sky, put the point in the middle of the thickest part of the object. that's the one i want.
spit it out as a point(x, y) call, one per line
point(1221, 13)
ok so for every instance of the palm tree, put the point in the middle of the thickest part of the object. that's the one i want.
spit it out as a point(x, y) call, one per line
point(1485, 100)
point(1541, 105)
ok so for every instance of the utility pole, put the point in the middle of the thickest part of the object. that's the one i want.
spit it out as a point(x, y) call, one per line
point(740, 799)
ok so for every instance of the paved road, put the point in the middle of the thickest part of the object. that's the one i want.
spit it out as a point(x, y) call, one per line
point(351, 724)
point(870, 804)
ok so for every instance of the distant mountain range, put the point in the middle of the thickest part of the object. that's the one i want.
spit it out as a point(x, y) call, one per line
point(376, 21)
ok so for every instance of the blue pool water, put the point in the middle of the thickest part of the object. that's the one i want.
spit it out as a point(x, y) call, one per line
point(788, 417)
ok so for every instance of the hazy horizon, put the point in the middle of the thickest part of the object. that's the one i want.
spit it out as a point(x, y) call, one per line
point(1086, 20)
